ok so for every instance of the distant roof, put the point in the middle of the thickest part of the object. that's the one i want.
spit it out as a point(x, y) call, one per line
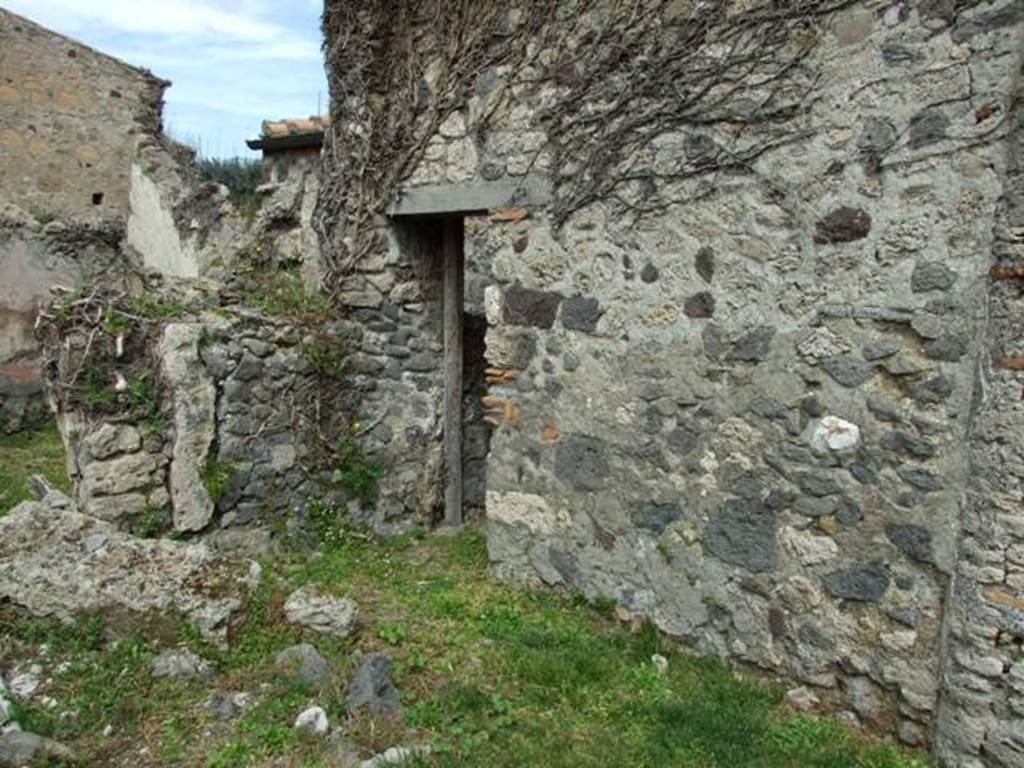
point(291, 134)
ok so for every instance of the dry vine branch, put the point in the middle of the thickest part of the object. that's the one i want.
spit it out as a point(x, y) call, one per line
point(605, 79)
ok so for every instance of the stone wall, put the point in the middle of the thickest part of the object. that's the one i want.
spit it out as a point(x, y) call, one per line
point(284, 223)
point(281, 165)
point(79, 143)
point(238, 423)
point(740, 403)
point(180, 225)
point(983, 665)
point(34, 257)
point(69, 115)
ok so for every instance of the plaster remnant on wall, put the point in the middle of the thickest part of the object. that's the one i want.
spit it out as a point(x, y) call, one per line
point(152, 230)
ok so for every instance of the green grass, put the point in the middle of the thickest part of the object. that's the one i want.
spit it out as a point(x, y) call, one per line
point(489, 675)
point(28, 453)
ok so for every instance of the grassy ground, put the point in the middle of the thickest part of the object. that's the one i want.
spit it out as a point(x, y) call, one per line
point(489, 676)
point(24, 454)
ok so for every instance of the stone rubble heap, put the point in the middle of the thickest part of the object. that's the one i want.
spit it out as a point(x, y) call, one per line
point(57, 562)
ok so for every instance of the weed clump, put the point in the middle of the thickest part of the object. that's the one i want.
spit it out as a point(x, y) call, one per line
point(278, 292)
point(217, 477)
point(356, 472)
point(326, 356)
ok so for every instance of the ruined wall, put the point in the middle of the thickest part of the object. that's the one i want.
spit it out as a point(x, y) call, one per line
point(194, 421)
point(69, 115)
point(284, 223)
point(181, 225)
point(34, 257)
point(281, 165)
point(70, 119)
point(738, 400)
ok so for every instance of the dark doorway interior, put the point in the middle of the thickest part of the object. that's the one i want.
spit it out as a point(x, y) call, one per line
point(476, 433)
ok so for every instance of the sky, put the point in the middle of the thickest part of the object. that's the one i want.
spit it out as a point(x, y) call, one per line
point(233, 63)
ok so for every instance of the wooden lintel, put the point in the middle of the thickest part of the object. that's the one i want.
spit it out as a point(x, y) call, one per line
point(528, 192)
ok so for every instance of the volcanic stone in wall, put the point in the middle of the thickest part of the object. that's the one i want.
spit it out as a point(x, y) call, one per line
point(931, 276)
point(863, 583)
point(928, 127)
point(843, 225)
point(753, 346)
point(743, 533)
point(848, 371)
point(705, 263)
point(700, 305)
point(912, 540)
point(656, 517)
point(581, 313)
point(524, 306)
point(580, 463)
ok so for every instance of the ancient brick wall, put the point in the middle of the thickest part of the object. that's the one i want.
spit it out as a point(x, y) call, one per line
point(756, 406)
point(69, 117)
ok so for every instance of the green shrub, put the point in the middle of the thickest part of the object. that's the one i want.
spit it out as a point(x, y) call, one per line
point(151, 522)
point(240, 175)
point(279, 293)
point(154, 307)
point(327, 356)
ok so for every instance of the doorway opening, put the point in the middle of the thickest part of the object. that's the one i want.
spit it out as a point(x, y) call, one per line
point(476, 431)
point(437, 246)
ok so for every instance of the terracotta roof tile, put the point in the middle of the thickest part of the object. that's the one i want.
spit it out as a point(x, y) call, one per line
point(303, 126)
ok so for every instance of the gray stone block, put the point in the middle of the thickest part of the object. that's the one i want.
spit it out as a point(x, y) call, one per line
point(743, 533)
point(581, 463)
point(863, 583)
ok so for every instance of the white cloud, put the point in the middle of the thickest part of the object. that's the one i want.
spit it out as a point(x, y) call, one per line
point(192, 18)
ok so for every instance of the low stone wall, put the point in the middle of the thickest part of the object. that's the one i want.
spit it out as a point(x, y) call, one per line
point(207, 420)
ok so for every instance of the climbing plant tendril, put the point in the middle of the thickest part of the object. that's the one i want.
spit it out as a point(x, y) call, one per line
point(729, 78)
